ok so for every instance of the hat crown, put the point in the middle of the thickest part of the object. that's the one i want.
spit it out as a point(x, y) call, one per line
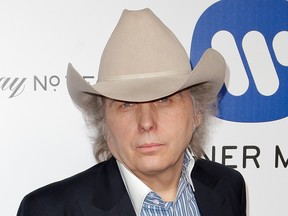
point(141, 45)
point(144, 61)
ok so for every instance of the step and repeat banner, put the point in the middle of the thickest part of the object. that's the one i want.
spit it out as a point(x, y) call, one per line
point(43, 137)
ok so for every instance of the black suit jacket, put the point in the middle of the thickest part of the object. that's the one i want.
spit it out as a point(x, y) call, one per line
point(100, 191)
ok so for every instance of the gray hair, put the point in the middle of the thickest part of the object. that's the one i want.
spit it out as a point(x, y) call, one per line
point(204, 105)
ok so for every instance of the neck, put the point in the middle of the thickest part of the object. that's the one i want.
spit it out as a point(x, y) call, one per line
point(165, 188)
point(164, 183)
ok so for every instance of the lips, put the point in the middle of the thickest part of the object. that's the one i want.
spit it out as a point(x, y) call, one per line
point(150, 147)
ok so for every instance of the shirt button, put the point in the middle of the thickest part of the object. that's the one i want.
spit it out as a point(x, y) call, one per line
point(156, 202)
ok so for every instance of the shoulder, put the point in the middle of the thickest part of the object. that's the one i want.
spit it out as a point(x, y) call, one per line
point(218, 177)
point(63, 194)
point(225, 184)
point(77, 182)
point(213, 170)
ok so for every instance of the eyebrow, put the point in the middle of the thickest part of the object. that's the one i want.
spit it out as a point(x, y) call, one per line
point(111, 101)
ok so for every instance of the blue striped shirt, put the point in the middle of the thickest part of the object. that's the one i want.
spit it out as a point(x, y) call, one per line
point(147, 202)
point(184, 204)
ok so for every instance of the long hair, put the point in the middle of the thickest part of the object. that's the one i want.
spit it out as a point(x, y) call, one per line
point(204, 105)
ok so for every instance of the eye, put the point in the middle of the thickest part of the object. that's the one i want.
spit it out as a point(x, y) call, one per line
point(126, 104)
point(164, 100)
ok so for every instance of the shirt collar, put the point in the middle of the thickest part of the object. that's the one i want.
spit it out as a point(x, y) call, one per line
point(137, 190)
point(188, 164)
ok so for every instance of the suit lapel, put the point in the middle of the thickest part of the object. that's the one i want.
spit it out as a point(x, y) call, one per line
point(110, 196)
point(209, 201)
point(121, 208)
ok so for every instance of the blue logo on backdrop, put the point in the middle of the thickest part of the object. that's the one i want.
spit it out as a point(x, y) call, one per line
point(254, 36)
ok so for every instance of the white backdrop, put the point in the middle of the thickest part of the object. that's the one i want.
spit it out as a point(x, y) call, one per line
point(43, 137)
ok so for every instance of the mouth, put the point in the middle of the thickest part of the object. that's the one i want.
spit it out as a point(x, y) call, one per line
point(150, 147)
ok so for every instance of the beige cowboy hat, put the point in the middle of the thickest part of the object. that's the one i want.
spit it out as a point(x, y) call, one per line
point(144, 61)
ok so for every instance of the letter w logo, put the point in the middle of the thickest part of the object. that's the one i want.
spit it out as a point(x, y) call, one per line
point(253, 38)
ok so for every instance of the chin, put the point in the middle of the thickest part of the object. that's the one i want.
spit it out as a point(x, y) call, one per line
point(152, 167)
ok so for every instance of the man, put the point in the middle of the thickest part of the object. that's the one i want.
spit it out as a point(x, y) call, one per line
point(149, 110)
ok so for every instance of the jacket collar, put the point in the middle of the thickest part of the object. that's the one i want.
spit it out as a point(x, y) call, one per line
point(110, 196)
point(209, 201)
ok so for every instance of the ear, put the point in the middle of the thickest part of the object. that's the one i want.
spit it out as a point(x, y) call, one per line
point(197, 121)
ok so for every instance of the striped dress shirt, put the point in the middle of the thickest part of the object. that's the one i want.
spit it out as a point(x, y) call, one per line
point(147, 202)
point(184, 204)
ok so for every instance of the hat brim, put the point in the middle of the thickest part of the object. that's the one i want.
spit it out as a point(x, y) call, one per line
point(210, 69)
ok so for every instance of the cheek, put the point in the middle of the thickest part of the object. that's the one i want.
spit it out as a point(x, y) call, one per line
point(118, 135)
point(113, 142)
point(177, 128)
point(111, 132)
point(185, 126)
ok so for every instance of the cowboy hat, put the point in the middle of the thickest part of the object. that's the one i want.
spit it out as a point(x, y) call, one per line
point(144, 61)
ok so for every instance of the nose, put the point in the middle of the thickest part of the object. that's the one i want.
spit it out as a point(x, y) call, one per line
point(147, 117)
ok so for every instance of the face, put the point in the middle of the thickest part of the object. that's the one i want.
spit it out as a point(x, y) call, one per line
point(150, 138)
